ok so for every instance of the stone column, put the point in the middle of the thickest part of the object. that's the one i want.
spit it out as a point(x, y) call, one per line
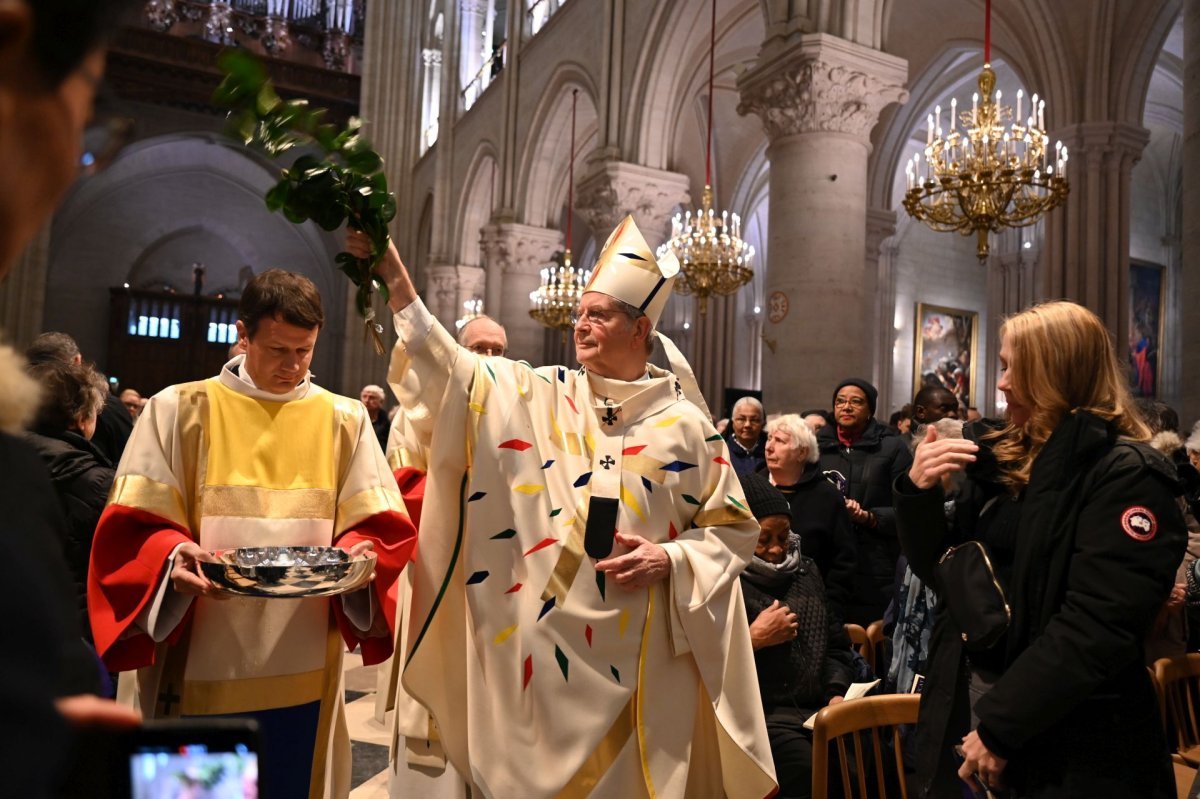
point(516, 254)
point(1189, 283)
point(1012, 287)
point(23, 295)
point(389, 80)
point(1086, 257)
point(441, 293)
point(472, 19)
point(612, 189)
point(819, 97)
point(881, 293)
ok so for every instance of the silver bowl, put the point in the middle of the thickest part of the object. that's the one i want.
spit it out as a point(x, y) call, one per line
point(288, 572)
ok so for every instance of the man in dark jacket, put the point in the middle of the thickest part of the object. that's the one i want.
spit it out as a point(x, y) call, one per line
point(869, 456)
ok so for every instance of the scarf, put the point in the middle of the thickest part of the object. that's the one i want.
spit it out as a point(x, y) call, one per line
point(767, 576)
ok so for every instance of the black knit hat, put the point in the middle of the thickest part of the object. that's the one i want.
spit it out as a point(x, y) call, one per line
point(868, 389)
point(763, 498)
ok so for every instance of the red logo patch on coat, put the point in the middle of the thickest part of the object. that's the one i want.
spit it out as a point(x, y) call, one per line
point(1139, 523)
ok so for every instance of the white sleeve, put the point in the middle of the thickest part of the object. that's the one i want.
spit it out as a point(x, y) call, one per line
point(163, 613)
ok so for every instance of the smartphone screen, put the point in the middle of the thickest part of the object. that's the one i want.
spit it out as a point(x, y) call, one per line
point(213, 760)
point(158, 773)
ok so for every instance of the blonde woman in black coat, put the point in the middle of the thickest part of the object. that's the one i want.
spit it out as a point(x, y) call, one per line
point(1079, 518)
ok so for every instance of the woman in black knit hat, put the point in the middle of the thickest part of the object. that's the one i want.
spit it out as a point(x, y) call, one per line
point(801, 651)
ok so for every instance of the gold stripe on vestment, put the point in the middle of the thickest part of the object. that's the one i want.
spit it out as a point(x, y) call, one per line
point(136, 491)
point(331, 698)
point(366, 504)
point(571, 556)
point(476, 406)
point(602, 758)
point(191, 419)
point(641, 714)
point(217, 697)
point(715, 517)
point(262, 503)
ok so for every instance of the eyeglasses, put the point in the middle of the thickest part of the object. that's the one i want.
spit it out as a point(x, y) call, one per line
point(483, 349)
point(593, 316)
point(849, 402)
point(102, 143)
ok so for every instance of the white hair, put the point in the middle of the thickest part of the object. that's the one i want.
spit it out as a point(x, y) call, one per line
point(1193, 442)
point(373, 389)
point(747, 400)
point(801, 435)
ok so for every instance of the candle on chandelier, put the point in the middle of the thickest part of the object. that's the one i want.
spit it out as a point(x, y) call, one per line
point(1042, 114)
point(1020, 96)
point(937, 110)
point(953, 113)
point(929, 135)
point(975, 110)
point(1033, 103)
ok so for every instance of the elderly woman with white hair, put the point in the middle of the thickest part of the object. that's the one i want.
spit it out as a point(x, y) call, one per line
point(819, 514)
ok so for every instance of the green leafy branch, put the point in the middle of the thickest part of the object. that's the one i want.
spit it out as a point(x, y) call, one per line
point(346, 185)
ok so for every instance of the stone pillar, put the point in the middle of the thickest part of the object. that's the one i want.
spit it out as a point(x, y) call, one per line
point(1012, 287)
point(472, 18)
point(612, 189)
point(23, 295)
point(1189, 282)
point(819, 97)
point(881, 293)
point(1086, 257)
point(441, 293)
point(389, 78)
point(515, 254)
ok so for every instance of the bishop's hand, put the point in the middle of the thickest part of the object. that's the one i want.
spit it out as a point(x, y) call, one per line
point(390, 268)
point(644, 565)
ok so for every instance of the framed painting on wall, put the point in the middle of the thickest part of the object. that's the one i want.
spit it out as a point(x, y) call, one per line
point(1145, 327)
point(946, 351)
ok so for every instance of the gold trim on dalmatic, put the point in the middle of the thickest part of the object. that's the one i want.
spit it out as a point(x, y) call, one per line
point(251, 502)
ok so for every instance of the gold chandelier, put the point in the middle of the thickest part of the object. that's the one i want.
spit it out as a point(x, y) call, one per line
point(992, 175)
point(553, 302)
point(713, 258)
point(558, 295)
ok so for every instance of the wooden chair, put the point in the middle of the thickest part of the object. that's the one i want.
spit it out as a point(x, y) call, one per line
point(1177, 680)
point(867, 718)
point(861, 643)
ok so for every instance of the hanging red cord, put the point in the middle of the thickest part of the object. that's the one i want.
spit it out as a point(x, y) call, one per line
point(571, 170)
point(987, 32)
point(712, 47)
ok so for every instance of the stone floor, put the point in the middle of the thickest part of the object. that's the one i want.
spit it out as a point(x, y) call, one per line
point(368, 738)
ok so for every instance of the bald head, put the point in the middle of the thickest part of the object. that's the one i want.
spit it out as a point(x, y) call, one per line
point(483, 335)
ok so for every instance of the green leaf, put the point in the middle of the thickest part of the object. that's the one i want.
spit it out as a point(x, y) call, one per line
point(364, 162)
point(277, 196)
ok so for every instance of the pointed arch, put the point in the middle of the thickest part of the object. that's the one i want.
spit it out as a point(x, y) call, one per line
point(542, 193)
point(478, 199)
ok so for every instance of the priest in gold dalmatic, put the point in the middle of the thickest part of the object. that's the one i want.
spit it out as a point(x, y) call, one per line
point(576, 626)
point(257, 456)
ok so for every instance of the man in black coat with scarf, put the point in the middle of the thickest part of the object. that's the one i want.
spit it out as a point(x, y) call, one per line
point(869, 456)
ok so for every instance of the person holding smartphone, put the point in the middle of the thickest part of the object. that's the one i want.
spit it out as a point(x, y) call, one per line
point(1078, 517)
point(51, 62)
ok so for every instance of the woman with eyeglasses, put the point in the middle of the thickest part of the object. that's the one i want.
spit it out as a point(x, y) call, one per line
point(801, 652)
point(1078, 518)
point(869, 456)
point(819, 517)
